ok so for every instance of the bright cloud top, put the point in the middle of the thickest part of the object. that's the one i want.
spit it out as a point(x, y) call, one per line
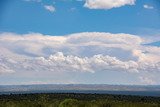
point(82, 52)
point(107, 4)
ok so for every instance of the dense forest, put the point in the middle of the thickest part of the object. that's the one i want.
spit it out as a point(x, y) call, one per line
point(77, 100)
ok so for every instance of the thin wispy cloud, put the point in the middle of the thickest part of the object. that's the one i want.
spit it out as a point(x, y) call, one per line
point(72, 9)
point(50, 8)
point(33, 1)
point(147, 80)
point(148, 6)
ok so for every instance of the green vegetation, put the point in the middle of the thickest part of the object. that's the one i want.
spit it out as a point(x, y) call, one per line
point(77, 100)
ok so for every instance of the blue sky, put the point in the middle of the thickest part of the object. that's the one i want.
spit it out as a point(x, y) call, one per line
point(80, 42)
point(71, 16)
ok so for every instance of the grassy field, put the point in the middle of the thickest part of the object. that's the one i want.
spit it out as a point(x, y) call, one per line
point(76, 100)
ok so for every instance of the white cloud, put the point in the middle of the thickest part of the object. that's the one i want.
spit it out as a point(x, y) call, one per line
point(107, 4)
point(33, 0)
point(50, 8)
point(5, 69)
point(60, 63)
point(148, 6)
point(90, 52)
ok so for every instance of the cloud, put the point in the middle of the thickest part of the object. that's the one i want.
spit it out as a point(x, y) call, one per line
point(33, 1)
point(148, 6)
point(88, 52)
point(146, 80)
point(107, 4)
point(5, 69)
point(72, 9)
point(109, 51)
point(60, 63)
point(50, 8)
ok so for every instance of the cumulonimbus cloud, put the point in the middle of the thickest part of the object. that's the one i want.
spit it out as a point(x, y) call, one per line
point(107, 4)
point(81, 52)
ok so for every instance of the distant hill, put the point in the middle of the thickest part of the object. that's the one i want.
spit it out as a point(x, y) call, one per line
point(82, 88)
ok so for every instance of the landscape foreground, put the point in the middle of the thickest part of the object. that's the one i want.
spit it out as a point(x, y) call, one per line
point(76, 100)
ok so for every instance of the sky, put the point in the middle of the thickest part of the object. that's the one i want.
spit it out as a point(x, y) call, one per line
point(80, 42)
